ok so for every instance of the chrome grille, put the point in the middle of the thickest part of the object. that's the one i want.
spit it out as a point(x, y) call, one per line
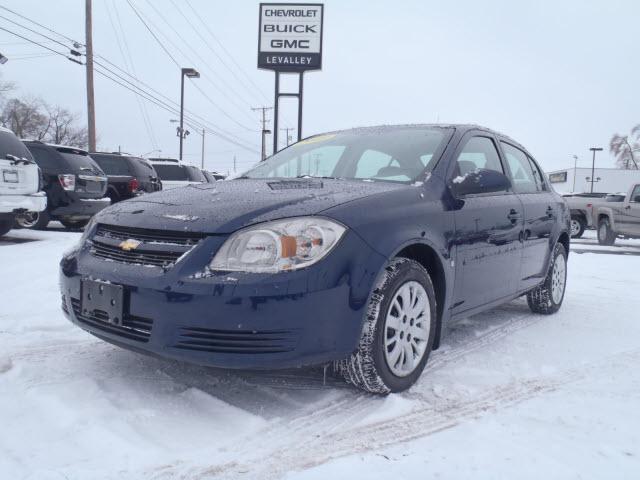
point(158, 248)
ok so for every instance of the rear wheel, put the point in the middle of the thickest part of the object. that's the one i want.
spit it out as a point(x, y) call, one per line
point(606, 236)
point(547, 298)
point(399, 331)
point(33, 220)
point(74, 224)
point(577, 226)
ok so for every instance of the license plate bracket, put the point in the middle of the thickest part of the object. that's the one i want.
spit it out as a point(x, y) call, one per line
point(102, 301)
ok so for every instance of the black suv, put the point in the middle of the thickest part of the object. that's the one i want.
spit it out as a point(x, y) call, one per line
point(129, 176)
point(75, 186)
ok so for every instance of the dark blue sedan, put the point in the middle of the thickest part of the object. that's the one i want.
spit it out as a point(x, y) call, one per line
point(353, 248)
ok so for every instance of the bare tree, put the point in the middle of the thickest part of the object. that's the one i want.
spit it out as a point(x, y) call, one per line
point(24, 117)
point(624, 147)
point(62, 128)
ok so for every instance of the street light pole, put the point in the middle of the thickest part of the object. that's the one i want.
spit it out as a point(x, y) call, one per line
point(575, 171)
point(191, 73)
point(593, 165)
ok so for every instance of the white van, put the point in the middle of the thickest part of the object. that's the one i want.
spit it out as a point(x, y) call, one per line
point(20, 181)
point(175, 174)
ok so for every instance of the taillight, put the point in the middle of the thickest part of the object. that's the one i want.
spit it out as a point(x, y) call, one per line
point(67, 181)
point(589, 205)
point(134, 185)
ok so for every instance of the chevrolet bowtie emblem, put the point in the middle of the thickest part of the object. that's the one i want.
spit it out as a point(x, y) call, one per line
point(129, 244)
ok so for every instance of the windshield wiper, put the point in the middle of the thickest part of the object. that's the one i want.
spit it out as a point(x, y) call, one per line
point(316, 176)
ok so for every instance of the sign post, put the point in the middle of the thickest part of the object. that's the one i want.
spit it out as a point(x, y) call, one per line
point(290, 41)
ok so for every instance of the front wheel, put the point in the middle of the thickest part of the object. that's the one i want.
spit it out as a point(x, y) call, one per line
point(606, 236)
point(547, 298)
point(399, 331)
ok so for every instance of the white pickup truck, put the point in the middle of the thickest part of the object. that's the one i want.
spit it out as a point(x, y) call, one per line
point(19, 181)
point(618, 219)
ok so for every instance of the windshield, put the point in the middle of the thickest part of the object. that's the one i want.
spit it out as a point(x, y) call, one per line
point(387, 154)
point(196, 174)
point(171, 172)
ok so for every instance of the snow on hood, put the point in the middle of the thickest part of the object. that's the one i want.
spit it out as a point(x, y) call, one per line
point(224, 207)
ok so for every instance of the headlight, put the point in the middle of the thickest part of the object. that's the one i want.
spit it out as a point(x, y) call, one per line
point(278, 246)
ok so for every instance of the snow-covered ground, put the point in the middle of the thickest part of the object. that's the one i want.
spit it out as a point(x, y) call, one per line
point(509, 395)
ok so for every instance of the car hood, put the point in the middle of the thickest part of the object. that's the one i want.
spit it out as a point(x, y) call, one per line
point(224, 207)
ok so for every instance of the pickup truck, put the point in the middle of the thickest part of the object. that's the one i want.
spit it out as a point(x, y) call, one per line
point(20, 181)
point(581, 205)
point(618, 218)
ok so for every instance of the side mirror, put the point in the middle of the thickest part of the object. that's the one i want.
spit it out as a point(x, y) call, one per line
point(480, 181)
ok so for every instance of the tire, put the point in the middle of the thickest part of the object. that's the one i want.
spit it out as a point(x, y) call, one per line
point(371, 367)
point(6, 226)
point(577, 226)
point(547, 297)
point(606, 236)
point(34, 220)
point(74, 224)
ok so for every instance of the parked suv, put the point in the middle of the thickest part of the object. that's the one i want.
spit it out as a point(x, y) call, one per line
point(75, 186)
point(174, 173)
point(129, 176)
point(19, 181)
point(355, 247)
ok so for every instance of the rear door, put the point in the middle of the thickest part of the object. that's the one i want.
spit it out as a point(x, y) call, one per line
point(540, 214)
point(488, 228)
point(17, 176)
point(91, 181)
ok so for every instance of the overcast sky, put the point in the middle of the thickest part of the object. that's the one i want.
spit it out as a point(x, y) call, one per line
point(559, 77)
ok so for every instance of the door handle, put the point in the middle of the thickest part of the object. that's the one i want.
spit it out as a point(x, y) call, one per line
point(628, 207)
point(549, 211)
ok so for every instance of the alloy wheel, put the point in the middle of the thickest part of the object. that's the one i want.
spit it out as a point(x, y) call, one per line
point(406, 328)
point(575, 227)
point(28, 220)
point(558, 278)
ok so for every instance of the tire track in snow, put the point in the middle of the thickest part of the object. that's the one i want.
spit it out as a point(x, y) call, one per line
point(301, 453)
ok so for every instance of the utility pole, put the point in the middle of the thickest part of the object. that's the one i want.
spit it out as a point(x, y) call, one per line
point(593, 165)
point(91, 107)
point(264, 130)
point(575, 171)
point(234, 164)
point(202, 161)
point(287, 130)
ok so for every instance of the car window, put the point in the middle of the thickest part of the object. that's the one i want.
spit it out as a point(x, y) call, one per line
point(143, 168)
point(379, 164)
point(79, 161)
point(112, 164)
point(171, 172)
point(635, 194)
point(11, 145)
point(521, 173)
point(537, 174)
point(479, 152)
point(45, 159)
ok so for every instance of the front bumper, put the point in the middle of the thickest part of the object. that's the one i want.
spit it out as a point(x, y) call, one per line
point(257, 321)
point(36, 202)
point(81, 208)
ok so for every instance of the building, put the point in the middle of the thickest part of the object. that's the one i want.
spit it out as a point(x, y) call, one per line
point(578, 180)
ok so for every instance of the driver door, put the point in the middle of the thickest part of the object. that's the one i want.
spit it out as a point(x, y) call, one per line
point(488, 229)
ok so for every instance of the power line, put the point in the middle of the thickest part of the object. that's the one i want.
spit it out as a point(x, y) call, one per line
point(41, 45)
point(154, 35)
point(204, 63)
point(41, 26)
point(129, 65)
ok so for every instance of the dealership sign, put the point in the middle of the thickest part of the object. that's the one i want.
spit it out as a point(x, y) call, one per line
point(290, 38)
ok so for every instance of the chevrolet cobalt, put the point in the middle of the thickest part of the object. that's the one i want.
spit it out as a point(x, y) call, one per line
point(353, 248)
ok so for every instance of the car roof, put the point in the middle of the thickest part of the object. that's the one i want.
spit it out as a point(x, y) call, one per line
point(55, 145)
point(6, 130)
point(172, 161)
